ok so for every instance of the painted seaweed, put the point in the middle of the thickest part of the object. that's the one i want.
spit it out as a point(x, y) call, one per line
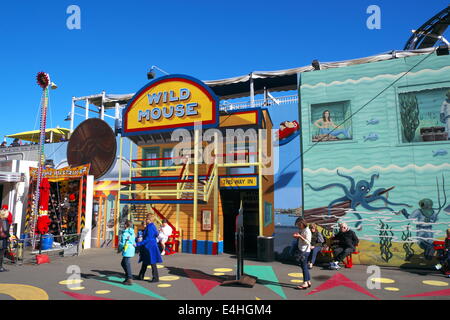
point(409, 112)
point(407, 246)
point(385, 241)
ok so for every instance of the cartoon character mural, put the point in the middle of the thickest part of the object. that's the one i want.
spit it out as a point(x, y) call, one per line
point(445, 112)
point(359, 194)
point(425, 217)
point(288, 131)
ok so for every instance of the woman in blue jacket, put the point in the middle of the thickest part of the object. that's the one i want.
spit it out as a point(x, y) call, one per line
point(149, 253)
point(127, 246)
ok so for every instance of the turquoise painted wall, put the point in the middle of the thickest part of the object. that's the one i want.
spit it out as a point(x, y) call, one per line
point(378, 147)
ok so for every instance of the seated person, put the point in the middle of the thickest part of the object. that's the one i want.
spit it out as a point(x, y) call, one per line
point(347, 241)
point(317, 242)
point(15, 143)
point(164, 233)
point(445, 258)
point(3, 145)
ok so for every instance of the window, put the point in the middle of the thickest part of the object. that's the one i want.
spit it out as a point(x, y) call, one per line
point(327, 122)
point(425, 115)
point(150, 153)
point(167, 153)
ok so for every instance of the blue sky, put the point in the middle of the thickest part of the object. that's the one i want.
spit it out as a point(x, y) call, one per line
point(120, 40)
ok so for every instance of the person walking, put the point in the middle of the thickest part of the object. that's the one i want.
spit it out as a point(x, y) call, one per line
point(4, 236)
point(317, 242)
point(304, 249)
point(149, 253)
point(127, 246)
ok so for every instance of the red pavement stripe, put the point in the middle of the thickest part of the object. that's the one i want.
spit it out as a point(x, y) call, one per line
point(80, 296)
point(445, 292)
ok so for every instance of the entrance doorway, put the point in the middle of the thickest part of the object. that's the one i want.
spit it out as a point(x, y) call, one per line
point(231, 201)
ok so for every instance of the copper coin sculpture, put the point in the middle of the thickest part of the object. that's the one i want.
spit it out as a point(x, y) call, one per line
point(93, 142)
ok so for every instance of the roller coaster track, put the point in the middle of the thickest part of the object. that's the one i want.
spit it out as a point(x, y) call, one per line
point(428, 34)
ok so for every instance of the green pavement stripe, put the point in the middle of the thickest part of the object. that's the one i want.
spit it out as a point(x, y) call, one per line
point(134, 287)
point(266, 273)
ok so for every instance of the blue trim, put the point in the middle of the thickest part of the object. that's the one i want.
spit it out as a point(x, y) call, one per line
point(155, 82)
point(288, 139)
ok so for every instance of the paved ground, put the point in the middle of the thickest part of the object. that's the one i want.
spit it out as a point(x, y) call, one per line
point(198, 277)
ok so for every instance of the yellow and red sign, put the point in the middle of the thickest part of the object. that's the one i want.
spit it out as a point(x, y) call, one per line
point(66, 173)
point(168, 103)
point(239, 182)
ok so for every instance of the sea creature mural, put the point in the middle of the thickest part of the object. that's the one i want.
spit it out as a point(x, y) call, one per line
point(386, 236)
point(408, 243)
point(440, 152)
point(373, 121)
point(372, 137)
point(359, 194)
point(425, 216)
point(409, 113)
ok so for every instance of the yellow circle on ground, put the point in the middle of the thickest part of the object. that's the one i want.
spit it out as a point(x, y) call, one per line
point(219, 273)
point(102, 291)
point(391, 289)
point(223, 270)
point(169, 278)
point(71, 281)
point(382, 280)
point(76, 288)
point(23, 292)
point(164, 285)
point(296, 275)
point(435, 283)
point(158, 266)
point(297, 281)
point(146, 278)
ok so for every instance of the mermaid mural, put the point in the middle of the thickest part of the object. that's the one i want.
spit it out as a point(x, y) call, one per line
point(359, 194)
point(328, 127)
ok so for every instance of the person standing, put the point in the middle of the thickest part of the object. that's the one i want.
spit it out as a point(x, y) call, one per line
point(149, 250)
point(127, 246)
point(317, 242)
point(4, 236)
point(346, 243)
point(304, 249)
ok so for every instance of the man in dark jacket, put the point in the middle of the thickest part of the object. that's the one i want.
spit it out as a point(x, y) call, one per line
point(347, 241)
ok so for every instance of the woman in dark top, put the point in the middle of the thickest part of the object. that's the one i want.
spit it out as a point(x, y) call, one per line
point(4, 236)
point(317, 242)
point(149, 253)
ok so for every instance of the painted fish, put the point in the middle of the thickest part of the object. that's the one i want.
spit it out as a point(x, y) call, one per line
point(440, 152)
point(447, 209)
point(373, 121)
point(372, 137)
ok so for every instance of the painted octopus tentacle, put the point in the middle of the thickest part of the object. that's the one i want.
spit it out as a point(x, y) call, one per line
point(370, 199)
point(372, 179)
point(352, 186)
point(340, 185)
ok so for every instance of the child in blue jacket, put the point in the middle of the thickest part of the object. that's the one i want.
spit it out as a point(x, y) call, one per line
point(127, 247)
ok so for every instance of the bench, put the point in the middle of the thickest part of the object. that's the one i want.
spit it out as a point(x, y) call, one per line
point(348, 261)
point(440, 245)
point(173, 243)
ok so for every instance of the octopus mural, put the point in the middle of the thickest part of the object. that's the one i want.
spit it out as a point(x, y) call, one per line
point(359, 194)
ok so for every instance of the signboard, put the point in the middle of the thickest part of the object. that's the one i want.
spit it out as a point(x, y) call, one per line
point(206, 220)
point(170, 102)
point(244, 182)
point(66, 173)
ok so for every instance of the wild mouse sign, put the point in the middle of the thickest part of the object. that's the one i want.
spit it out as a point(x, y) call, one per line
point(171, 102)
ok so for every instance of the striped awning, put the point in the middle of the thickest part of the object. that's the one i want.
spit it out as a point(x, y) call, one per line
point(11, 176)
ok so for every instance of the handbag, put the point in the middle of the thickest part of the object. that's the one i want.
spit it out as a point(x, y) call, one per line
point(42, 258)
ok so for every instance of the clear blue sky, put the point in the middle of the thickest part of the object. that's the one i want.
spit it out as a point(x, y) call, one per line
point(120, 40)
